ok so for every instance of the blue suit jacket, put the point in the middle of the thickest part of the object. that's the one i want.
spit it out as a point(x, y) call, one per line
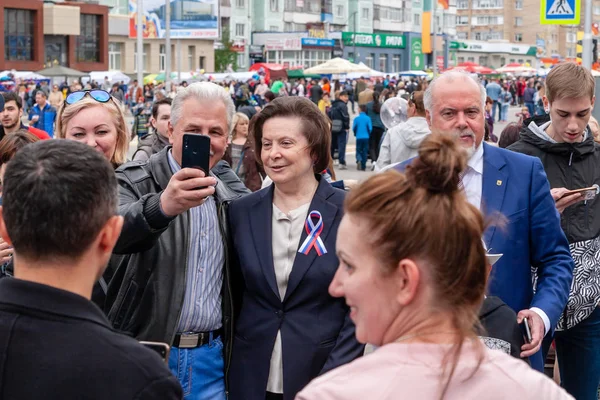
point(516, 186)
point(317, 333)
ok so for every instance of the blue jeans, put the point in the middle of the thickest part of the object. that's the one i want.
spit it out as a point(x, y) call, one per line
point(504, 112)
point(499, 106)
point(362, 152)
point(200, 371)
point(578, 351)
point(342, 138)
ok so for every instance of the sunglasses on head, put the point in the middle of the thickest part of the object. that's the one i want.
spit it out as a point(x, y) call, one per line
point(100, 96)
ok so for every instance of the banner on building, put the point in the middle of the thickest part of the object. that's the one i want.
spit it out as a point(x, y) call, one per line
point(373, 40)
point(189, 19)
point(417, 61)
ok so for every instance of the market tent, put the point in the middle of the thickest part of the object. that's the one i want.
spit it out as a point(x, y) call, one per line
point(60, 71)
point(271, 71)
point(337, 66)
point(516, 69)
point(472, 68)
point(113, 76)
point(299, 73)
point(150, 78)
point(420, 74)
point(23, 75)
point(372, 72)
point(231, 76)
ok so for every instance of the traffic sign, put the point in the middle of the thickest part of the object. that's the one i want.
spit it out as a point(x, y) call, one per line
point(560, 12)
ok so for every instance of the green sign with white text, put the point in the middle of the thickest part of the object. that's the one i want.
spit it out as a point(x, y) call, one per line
point(373, 40)
point(417, 63)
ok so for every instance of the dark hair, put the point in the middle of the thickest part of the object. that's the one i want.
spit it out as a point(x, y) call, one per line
point(42, 93)
point(362, 107)
point(12, 96)
point(510, 134)
point(315, 127)
point(158, 103)
point(488, 100)
point(12, 143)
point(269, 96)
point(416, 98)
point(57, 196)
point(422, 215)
point(376, 103)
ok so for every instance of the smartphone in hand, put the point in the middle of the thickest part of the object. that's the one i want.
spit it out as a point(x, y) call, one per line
point(196, 152)
point(587, 193)
point(526, 331)
point(162, 349)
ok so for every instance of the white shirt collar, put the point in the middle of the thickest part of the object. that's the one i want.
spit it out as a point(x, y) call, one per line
point(476, 161)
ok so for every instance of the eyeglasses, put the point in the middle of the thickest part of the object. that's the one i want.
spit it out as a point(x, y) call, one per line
point(100, 96)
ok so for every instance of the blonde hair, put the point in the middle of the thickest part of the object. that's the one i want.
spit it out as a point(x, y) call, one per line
point(237, 117)
point(66, 112)
point(559, 82)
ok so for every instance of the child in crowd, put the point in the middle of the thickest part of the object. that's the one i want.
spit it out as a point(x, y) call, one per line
point(362, 128)
point(325, 103)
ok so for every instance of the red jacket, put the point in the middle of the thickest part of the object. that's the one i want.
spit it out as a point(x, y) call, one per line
point(37, 132)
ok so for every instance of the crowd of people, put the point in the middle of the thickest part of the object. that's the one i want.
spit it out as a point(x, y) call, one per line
point(448, 274)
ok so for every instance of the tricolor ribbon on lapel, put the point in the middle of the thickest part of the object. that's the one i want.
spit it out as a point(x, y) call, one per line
point(314, 232)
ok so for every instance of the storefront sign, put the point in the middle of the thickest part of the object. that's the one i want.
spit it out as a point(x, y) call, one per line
point(284, 44)
point(312, 42)
point(373, 40)
point(316, 30)
point(416, 55)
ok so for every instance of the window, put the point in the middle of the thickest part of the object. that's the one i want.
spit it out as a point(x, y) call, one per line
point(273, 28)
point(520, 61)
point(114, 56)
point(460, 60)
point(162, 57)
point(570, 53)
point(477, 35)
point(518, 6)
point(596, 10)
point(18, 34)
point(369, 60)
point(191, 57)
point(383, 58)
point(487, 20)
point(274, 7)
point(518, 37)
point(417, 20)
point(240, 3)
point(339, 11)
point(365, 14)
point(483, 60)
point(395, 63)
point(351, 57)
point(144, 57)
point(202, 62)
point(471, 59)
point(462, 20)
point(239, 29)
point(571, 37)
point(87, 44)
point(463, 5)
point(462, 35)
point(241, 60)
point(518, 21)
point(478, 4)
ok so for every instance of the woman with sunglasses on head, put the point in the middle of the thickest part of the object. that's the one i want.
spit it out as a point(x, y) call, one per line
point(95, 118)
point(413, 271)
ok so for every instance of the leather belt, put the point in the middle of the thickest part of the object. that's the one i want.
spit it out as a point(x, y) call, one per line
point(190, 340)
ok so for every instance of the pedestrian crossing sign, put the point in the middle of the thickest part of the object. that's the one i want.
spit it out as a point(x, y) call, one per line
point(560, 12)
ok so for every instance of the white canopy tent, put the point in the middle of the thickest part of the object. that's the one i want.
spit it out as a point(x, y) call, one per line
point(113, 77)
point(231, 76)
point(24, 75)
point(337, 66)
point(412, 73)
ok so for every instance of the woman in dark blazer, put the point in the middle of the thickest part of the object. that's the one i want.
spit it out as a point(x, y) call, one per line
point(288, 328)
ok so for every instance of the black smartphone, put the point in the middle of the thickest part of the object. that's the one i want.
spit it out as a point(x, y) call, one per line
point(162, 349)
point(525, 329)
point(196, 152)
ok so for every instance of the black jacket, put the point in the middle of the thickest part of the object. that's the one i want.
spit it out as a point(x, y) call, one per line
point(146, 292)
point(339, 111)
point(149, 144)
point(501, 331)
point(569, 165)
point(316, 92)
point(58, 345)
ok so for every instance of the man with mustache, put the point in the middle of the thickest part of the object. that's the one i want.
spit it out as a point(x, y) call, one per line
point(500, 182)
point(171, 279)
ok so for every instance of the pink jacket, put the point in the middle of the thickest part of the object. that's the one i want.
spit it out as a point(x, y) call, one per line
point(412, 371)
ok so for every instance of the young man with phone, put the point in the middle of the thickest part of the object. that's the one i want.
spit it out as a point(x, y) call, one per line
point(172, 276)
point(565, 145)
point(60, 215)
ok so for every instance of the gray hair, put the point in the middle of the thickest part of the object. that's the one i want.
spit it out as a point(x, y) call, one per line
point(451, 76)
point(203, 91)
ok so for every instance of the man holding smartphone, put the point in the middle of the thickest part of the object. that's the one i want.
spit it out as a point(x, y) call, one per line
point(171, 279)
point(565, 145)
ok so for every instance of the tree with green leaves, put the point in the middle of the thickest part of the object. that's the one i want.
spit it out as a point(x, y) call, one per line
point(225, 55)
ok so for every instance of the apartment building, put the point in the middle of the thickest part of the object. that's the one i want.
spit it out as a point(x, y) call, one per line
point(518, 22)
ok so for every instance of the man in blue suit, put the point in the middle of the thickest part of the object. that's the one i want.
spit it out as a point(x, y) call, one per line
point(500, 182)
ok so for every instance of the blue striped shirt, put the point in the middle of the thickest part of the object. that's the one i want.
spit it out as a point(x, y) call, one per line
point(201, 309)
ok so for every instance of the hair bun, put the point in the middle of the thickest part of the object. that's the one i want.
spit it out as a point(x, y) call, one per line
point(438, 167)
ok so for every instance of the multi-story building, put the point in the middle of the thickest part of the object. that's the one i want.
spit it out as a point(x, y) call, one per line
point(517, 21)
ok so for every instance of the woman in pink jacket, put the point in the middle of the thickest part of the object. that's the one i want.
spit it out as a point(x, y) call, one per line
point(413, 272)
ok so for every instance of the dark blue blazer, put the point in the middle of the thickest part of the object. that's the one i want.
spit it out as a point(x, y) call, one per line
point(317, 333)
point(515, 186)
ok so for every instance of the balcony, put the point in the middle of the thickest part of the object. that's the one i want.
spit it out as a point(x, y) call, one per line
point(487, 4)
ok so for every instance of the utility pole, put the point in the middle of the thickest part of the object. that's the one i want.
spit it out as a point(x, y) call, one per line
point(586, 57)
point(168, 45)
point(354, 38)
point(433, 39)
point(140, 42)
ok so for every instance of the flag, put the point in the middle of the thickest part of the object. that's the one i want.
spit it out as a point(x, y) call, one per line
point(444, 3)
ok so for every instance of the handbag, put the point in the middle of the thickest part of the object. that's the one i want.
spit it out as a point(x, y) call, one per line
point(337, 125)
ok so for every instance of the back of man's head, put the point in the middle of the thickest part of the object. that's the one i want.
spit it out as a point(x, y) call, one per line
point(57, 197)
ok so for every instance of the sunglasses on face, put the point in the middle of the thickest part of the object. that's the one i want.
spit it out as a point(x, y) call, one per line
point(100, 96)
